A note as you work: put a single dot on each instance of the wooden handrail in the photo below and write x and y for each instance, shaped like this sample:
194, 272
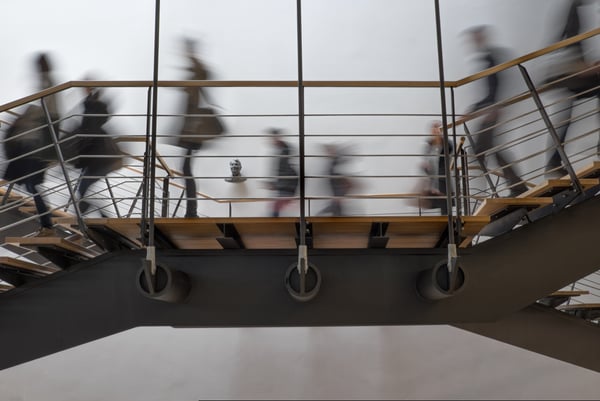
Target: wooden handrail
528, 57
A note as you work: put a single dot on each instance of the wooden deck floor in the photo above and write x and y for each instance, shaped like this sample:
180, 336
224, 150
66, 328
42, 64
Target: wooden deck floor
282, 233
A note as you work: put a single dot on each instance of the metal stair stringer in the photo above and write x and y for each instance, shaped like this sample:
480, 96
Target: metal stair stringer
245, 288
547, 331
532, 261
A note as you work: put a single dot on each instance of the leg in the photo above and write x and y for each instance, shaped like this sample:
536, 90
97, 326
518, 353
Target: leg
190, 186
517, 186
485, 139
481, 144
280, 202
40, 205
336, 207
84, 185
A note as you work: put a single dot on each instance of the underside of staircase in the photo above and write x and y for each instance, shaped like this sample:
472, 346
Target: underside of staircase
511, 282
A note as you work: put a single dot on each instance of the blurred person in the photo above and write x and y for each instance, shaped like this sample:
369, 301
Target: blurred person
195, 130
47, 81
585, 84
434, 167
339, 184
287, 182
92, 149
30, 170
485, 140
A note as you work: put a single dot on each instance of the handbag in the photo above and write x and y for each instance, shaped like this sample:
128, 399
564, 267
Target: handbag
206, 125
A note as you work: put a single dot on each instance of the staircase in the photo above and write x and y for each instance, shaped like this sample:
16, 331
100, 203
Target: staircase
523, 259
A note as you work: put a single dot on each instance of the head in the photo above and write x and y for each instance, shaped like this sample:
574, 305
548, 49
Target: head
236, 167
436, 131
330, 149
43, 63
479, 35
89, 89
275, 134
190, 45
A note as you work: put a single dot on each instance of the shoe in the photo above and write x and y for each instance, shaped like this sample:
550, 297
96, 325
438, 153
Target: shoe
45, 232
515, 192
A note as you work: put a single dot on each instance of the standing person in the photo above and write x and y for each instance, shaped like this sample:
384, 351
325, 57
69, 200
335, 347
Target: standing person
434, 166
485, 140
585, 84
93, 144
340, 185
28, 159
287, 181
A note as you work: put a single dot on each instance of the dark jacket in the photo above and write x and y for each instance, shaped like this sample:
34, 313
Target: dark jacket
24, 145
94, 140
287, 184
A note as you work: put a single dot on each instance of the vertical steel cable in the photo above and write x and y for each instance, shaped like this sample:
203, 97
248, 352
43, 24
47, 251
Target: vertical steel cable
301, 126
452, 251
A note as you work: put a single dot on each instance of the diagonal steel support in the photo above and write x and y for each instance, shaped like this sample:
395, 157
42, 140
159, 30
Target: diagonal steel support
63, 168
481, 163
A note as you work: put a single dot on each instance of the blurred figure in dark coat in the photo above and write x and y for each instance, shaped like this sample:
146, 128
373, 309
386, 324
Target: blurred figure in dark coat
96, 152
28, 144
195, 130
434, 166
339, 184
584, 85
485, 140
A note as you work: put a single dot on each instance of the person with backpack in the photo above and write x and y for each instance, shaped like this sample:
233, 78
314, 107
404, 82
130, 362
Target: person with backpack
95, 151
28, 145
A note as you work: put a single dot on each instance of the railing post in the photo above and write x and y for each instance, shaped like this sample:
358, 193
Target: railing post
465, 182
112, 196
61, 161
451, 262
481, 163
165, 197
455, 164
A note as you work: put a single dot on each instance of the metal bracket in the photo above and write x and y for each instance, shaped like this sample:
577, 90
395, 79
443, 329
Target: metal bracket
302, 259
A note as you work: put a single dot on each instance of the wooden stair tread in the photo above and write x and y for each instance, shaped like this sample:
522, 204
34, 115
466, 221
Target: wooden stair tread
546, 189
282, 233
5, 287
586, 311
591, 170
52, 241
25, 265
567, 293
571, 307
55, 212
493, 206
560, 297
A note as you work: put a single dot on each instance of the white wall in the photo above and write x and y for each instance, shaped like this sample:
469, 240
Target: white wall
255, 39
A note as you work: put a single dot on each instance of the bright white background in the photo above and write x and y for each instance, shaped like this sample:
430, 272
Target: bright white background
255, 39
